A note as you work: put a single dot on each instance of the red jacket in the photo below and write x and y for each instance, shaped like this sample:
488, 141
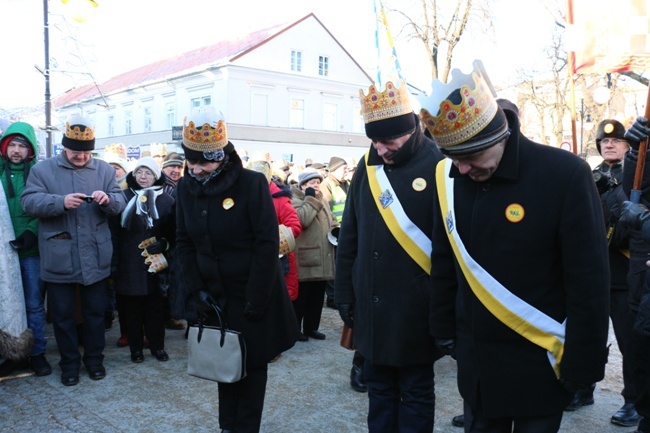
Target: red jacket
287, 215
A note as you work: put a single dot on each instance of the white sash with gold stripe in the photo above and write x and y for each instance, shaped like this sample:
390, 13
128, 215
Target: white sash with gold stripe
416, 244
512, 311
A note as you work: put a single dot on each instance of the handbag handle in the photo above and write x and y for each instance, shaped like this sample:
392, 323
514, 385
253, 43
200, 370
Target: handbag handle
222, 328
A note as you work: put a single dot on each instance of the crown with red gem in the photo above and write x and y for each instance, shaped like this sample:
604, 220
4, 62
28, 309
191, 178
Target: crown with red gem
205, 131
79, 128
392, 102
451, 124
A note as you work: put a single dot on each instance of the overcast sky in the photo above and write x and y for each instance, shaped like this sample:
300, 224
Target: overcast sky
124, 34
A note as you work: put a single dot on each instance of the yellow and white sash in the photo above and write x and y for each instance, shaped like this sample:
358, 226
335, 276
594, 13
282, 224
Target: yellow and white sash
416, 244
512, 311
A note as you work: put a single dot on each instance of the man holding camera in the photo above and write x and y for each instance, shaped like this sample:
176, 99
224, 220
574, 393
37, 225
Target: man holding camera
608, 176
72, 195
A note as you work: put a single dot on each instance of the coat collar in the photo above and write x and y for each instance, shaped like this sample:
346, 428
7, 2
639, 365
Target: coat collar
215, 186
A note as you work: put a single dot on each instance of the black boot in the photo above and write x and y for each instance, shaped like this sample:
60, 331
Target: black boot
357, 381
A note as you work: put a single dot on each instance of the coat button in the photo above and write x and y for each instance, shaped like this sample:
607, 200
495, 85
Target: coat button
375, 299
375, 255
204, 213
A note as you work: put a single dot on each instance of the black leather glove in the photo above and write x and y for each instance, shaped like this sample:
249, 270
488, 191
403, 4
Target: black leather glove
25, 241
310, 192
638, 132
633, 215
346, 311
202, 301
158, 247
253, 312
446, 346
575, 387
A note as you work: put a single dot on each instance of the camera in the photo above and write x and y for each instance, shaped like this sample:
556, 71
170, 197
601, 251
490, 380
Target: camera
604, 182
88, 199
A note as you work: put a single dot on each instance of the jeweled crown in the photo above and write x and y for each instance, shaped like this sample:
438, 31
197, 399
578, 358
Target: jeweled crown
392, 102
79, 128
205, 131
450, 123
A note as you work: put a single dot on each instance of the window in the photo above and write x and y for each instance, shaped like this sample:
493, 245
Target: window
296, 61
323, 66
127, 122
330, 116
203, 101
147, 118
170, 115
297, 113
111, 125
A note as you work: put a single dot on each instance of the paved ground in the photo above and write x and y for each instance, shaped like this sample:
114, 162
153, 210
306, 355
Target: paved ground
308, 392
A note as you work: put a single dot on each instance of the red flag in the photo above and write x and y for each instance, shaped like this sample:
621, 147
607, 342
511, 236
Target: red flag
609, 36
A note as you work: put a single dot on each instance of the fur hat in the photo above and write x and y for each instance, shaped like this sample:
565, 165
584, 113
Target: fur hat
308, 174
335, 163
609, 128
79, 134
149, 163
387, 114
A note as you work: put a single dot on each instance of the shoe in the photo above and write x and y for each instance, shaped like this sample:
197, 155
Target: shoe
108, 320
70, 379
458, 421
8, 366
96, 372
40, 365
316, 335
626, 416
160, 355
123, 341
357, 381
137, 357
178, 325
580, 400
302, 337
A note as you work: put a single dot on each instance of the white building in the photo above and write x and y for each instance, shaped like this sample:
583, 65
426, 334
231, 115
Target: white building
291, 90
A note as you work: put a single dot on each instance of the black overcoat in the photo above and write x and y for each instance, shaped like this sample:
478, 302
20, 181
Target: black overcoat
227, 243
389, 290
555, 259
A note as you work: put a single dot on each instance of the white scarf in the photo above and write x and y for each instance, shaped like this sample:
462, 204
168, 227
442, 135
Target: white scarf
142, 204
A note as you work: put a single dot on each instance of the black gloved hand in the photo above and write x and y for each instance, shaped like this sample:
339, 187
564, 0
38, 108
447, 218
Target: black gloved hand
253, 312
158, 247
346, 311
446, 346
310, 192
633, 215
575, 387
202, 301
638, 132
25, 241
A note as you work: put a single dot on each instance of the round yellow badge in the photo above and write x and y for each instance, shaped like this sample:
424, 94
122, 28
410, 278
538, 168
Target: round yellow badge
419, 184
228, 203
515, 213
143, 198
608, 128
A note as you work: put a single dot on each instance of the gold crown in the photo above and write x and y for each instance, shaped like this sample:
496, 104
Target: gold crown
79, 128
158, 149
205, 131
451, 124
117, 150
392, 102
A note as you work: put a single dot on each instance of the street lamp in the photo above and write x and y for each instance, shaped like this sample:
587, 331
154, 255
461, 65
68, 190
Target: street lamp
585, 124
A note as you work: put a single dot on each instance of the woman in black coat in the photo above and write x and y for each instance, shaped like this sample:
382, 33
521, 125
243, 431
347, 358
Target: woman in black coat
148, 214
227, 245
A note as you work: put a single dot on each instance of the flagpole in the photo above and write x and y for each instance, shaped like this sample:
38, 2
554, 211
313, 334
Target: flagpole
635, 193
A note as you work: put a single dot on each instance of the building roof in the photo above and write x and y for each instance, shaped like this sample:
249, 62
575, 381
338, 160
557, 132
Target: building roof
215, 55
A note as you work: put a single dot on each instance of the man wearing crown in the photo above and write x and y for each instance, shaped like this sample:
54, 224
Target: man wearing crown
520, 282
73, 194
383, 262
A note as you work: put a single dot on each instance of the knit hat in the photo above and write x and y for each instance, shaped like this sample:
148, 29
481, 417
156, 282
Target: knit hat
205, 135
335, 163
79, 134
149, 163
308, 174
173, 159
463, 116
609, 128
388, 114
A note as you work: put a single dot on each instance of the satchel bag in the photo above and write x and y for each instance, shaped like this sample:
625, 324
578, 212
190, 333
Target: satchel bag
216, 352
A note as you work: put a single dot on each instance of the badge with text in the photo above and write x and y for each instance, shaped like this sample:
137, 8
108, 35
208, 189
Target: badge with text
385, 198
419, 184
515, 212
228, 203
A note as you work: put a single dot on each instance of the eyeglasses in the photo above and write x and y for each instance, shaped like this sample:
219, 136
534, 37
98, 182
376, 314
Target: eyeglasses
611, 141
143, 173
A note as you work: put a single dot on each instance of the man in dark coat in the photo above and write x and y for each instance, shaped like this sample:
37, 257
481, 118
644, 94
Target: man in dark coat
382, 264
520, 282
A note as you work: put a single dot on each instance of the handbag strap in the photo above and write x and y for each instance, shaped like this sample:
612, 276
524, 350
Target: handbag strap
223, 327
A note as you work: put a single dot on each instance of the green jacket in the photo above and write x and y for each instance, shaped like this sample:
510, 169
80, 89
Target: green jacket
13, 178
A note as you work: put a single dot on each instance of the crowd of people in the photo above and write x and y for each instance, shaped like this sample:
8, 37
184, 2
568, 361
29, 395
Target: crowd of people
447, 237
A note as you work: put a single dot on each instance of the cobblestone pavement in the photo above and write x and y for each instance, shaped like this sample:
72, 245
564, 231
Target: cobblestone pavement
308, 392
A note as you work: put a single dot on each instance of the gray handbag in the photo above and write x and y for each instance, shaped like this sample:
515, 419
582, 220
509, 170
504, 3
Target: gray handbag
216, 352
